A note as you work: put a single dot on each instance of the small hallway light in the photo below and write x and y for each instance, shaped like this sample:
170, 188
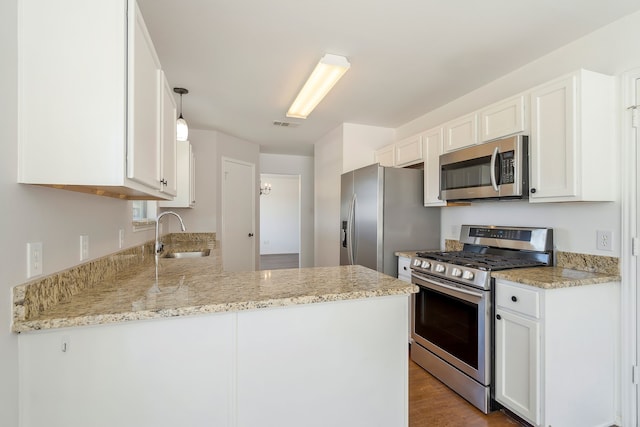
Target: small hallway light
265, 189
182, 130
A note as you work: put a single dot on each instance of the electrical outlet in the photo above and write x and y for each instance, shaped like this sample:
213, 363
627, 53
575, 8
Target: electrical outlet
34, 259
604, 240
120, 238
84, 247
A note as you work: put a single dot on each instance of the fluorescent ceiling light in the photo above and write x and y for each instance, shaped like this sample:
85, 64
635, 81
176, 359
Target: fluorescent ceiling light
324, 76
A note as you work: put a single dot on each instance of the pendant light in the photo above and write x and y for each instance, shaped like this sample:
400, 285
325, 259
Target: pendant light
182, 130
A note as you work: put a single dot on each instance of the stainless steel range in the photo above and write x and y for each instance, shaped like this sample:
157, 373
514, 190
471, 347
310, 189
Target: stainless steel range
452, 322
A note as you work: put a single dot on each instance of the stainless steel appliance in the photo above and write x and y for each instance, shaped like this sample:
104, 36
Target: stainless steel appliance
452, 325
382, 212
494, 170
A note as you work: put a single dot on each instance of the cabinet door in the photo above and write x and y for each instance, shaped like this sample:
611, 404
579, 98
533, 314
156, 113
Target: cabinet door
409, 151
192, 177
185, 195
169, 178
143, 139
432, 141
461, 132
553, 140
502, 119
386, 156
518, 364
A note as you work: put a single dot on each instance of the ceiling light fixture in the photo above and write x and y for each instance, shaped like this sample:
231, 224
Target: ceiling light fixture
322, 79
182, 130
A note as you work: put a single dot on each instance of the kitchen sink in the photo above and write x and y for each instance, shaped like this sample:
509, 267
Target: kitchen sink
189, 254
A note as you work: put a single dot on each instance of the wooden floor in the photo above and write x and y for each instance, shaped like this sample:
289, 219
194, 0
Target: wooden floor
278, 261
432, 404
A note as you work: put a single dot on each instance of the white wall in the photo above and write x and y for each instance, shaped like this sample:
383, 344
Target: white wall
280, 215
327, 169
38, 214
359, 142
611, 50
304, 167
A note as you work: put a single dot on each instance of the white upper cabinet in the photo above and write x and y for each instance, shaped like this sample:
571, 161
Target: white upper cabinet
89, 98
409, 151
503, 118
186, 197
168, 171
572, 139
432, 142
386, 156
461, 132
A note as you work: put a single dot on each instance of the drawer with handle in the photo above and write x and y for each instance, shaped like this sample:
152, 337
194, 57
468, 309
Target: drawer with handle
519, 300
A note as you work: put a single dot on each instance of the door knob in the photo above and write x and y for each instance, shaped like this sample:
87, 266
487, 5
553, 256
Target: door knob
250, 234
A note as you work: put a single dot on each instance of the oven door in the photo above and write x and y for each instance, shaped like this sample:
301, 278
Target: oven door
453, 321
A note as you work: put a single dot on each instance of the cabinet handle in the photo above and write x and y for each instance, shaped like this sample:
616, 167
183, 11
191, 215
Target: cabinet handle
498, 317
404, 268
250, 234
163, 181
514, 298
533, 190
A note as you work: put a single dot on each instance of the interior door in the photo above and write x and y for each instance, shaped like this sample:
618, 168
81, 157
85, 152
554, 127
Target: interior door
238, 215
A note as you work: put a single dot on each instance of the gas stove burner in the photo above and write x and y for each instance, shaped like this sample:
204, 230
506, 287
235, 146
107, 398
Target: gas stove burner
481, 261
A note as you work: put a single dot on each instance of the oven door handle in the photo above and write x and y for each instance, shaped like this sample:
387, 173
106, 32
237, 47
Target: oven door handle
444, 285
494, 181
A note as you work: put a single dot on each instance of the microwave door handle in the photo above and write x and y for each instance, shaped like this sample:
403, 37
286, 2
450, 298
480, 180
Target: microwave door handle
494, 182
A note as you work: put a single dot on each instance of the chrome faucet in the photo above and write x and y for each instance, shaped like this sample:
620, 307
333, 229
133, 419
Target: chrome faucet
159, 246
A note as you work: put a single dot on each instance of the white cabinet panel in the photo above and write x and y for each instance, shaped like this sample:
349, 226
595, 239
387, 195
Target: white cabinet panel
503, 118
185, 197
572, 132
386, 156
168, 143
165, 373
404, 268
461, 132
518, 364
432, 141
289, 362
409, 151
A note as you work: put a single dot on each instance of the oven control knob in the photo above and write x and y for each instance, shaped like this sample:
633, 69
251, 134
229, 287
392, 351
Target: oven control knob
456, 272
440, 268
426, 264
468, 275
416, 262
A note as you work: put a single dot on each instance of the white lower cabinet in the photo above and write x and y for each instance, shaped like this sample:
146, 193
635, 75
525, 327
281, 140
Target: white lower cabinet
404, 268
556, 352
327, 364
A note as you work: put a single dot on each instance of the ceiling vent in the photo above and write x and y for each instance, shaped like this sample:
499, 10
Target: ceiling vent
285, 124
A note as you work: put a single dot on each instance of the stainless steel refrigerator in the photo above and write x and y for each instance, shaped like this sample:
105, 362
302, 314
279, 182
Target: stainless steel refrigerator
382, 211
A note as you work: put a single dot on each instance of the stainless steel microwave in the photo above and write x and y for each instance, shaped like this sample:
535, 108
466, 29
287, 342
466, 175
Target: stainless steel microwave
494, 170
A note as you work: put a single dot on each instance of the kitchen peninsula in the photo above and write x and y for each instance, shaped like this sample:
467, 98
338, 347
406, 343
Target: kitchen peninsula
314, 347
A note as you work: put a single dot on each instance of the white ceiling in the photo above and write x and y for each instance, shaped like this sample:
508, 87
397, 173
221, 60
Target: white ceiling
244, 61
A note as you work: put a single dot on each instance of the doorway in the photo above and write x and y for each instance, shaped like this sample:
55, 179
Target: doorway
238, 215
279, 221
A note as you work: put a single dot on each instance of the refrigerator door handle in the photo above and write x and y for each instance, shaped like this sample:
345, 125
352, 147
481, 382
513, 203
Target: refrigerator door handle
350, 228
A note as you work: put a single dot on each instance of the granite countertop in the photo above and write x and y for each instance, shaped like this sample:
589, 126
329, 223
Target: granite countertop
198, 285
572, 269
